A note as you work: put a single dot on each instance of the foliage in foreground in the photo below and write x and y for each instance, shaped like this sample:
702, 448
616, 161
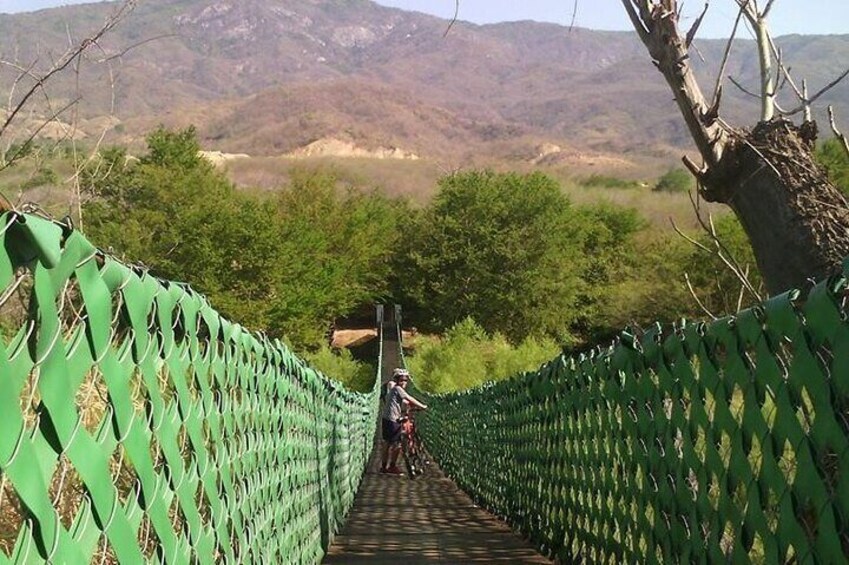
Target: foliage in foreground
466, 356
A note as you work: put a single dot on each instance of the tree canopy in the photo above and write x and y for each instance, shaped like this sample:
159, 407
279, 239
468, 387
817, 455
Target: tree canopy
511, 252
288, 266
506, 250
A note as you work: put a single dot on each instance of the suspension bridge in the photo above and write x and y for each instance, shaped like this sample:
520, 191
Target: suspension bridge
138, 425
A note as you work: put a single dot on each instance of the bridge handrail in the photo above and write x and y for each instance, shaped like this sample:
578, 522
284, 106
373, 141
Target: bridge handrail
702, 442
137, 424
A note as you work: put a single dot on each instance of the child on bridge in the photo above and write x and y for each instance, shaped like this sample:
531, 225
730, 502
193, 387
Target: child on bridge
393, 411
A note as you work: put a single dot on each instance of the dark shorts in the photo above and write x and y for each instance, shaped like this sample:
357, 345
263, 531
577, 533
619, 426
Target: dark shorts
391, 431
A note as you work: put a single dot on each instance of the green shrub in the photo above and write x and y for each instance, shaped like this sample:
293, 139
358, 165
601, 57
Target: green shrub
287, 266
675, 180
604, 181
833, 157
511, 252
42, 176
467, 356
341, 365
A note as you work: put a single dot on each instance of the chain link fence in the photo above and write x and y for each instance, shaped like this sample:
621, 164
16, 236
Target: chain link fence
720, 442
136, 424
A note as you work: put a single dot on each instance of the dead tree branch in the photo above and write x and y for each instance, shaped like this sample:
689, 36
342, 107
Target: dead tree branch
743, 89
691, 34
698, 300
66, 60
574, 15
768, 7
70, 60
819, 93
454, 19
833, 123
717, 90
656, 24
719, 250
136, 45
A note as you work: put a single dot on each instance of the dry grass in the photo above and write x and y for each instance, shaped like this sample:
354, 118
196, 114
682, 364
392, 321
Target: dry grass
414, 180
417, 181
11, 516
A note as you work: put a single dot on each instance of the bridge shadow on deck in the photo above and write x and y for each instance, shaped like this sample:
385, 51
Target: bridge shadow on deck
423, 521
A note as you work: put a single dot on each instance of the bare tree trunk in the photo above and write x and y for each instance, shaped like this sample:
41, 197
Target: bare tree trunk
797, 221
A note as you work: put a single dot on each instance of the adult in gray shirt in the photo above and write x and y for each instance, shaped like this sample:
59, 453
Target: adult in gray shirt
393, 411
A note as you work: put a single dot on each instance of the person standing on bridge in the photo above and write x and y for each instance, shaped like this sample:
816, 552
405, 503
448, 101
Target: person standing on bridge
396, 398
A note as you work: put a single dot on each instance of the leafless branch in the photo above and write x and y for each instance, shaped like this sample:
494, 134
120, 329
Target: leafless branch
67, 59
80, 165
833, 123
636, 18
781, 77
717, 91
574, 15
696, 243
749, 10
454, 19
808, 115
768, 7
743, 89
22, 73
691, 34
786, 71
70, 60
719, 250
822, 91
23, 146
138, 44
742, 292
28, 73
695, 296
692, 167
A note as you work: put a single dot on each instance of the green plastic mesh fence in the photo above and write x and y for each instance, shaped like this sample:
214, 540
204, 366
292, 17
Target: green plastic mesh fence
136, 424
726, 442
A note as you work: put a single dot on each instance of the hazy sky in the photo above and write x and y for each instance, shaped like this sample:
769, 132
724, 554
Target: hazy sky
11, 6
788, 16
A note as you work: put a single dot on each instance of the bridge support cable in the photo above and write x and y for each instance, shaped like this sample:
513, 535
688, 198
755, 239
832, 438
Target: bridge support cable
390, 344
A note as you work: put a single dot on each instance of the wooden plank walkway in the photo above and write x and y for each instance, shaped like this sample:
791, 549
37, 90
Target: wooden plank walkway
424, 521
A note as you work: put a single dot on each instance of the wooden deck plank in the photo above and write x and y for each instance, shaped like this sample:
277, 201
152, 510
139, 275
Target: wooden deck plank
422, 522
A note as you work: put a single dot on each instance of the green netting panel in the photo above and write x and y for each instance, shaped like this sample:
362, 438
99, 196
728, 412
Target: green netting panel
701, 443
136, 424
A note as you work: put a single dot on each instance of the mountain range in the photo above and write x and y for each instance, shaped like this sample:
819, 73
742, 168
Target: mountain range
271, 77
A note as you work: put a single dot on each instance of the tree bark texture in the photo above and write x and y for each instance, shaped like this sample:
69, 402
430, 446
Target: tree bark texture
796, 219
